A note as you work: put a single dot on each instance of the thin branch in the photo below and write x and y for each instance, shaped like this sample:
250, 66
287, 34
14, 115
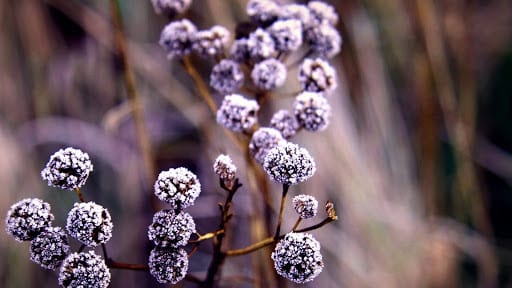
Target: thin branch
200, 84
297, 224
206, 236
263, 243
126, 266
316, 226
281, 209
79, 194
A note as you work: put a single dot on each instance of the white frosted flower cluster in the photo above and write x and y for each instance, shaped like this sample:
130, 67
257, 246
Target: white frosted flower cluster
287, 34
312, 111
285, 122
85, 269
324, 39
210, 42
238, 113
269, 74
305, 205
239, 51
260, 45
177, 38
263, 12
317, 75
67, 169
168, 265
323, 12
49, 248
27, 218
170, 229
226, 76
296, 11
178, 187
171, 7
89, 223
262, 141
289, 164
224, 168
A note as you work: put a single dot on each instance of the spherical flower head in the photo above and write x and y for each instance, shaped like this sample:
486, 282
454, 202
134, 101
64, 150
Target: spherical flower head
263, 12
262, 141
176, 38
224, 167
312, 111
89, 223
285, 122
239, 51
298, 12
67, 169
305, 205
260, 45
168, 265
297, 257
269, 74
27, 218
324, 39
226, 76
317, 75
49, 248
287, 34
170, 229
238, 113
323, 12
85, 269
178, 187
171, 7
289, 164
211, 42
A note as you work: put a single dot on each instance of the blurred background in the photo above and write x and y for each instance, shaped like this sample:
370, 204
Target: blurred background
417, 158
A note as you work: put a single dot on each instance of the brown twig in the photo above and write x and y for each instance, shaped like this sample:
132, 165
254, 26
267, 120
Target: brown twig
79, 194
281, 210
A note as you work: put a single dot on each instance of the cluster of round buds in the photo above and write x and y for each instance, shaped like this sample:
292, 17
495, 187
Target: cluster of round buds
289, 164
260, 45
224, 168
322, 12
269, 74
226, 76
170, 229
67, 169
210, 42
287, 34
89, 223
305, 205
263, 12
27, 218
297, 257
296, 11
237, 113
317, 75
85, 269
285, 122
312, 111
49, 248
262, 141
178, 187
168, 265
177, 38
324, 39
171, 7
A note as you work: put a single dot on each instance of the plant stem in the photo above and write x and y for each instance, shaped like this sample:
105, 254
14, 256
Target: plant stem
281, 210
316, 226
296, 224
79, 194
200, 84
126, 266
263, 243
206, 236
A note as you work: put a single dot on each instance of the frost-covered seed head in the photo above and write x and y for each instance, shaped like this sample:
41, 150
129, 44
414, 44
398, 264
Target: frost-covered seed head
323, 12
287, 34
211, 42
171, 7
168, 265
289, 164
49, 248
89, 223
171, 230
296, 11
176, 38
67, 169
240, 50
263, 12
305, 205
178, 187
317, 75
285, 122
260, 45
27, 218
262, 141
297, 257
225, 168
85, 270
324, 39
312, 111
226, 76
269, 74
238, 113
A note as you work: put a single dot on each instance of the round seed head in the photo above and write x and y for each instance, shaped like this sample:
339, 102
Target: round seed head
262, 141
211, 42
323, 12
298, 12
168, 265
225, 168
289, 164
49, 248
262, 12
297, 257
178, 187
238, 113
85, 269
317, 75
171, 230
239, 51
269, 74
324, 39
27, 218
312, 111
285, 122
171, 7
305, 205
89, 223
226, 76
176, 38
67, 169
260, 45
287, 34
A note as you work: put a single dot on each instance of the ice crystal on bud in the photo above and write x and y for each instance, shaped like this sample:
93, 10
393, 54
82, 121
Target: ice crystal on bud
168, 265
85, 269
171, 230
225, 168
305, 205
260, 45
49, 248
289, 164
263, 12
67, 169
226, 76
171, 7
317, 75
176, 38
262, 141
296, 11
178, 187
237, 113
324, 39
312, 110
89, 223
297, 257
323, 12
269, 74
211, 42
27, 218
287, 34
285, 122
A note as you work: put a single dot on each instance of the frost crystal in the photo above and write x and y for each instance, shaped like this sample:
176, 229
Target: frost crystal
67, 169
226, 76
49, 248
323, 12
305, 205
171, 230
27, 218
297, 257
269, 74
262, 141
263, 12
211, 42
312, 110
287, 34
176, 38
298, 12
260, 45
324, 39
168, 265
240, 50
178, 187
171, 7
89, 223
289, 164
225, 168
285, 122
85, 269
317, 75
238, 113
